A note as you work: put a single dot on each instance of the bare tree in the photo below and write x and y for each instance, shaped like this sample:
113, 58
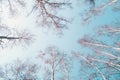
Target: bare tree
56, 62
87, 64
48, 10
105, 57
12, 36
97, 9
19, 71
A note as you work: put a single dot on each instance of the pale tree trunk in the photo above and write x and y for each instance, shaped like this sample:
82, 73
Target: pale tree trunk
53, 70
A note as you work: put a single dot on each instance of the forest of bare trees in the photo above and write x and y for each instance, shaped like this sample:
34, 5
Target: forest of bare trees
100, 62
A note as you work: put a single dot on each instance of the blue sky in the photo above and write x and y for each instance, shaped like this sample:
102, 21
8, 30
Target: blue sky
45, 37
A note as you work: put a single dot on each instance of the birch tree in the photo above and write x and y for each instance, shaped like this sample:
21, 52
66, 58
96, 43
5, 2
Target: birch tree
105, 56
56, 64
96, 9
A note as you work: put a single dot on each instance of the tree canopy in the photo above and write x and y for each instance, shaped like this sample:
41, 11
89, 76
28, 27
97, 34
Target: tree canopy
88, 49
